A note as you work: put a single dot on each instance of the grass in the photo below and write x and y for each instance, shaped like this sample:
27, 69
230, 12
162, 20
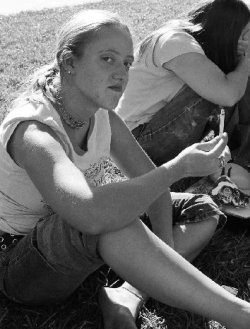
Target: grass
27, 41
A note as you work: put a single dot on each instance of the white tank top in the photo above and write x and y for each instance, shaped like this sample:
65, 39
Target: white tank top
21, 204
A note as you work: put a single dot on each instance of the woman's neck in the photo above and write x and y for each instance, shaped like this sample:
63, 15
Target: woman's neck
79, 137
76, 105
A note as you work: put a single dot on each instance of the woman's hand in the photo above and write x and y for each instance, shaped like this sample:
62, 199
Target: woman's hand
243, 43
242, 49
202, 159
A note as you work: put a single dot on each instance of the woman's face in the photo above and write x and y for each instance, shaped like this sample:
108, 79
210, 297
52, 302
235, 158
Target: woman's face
101, 74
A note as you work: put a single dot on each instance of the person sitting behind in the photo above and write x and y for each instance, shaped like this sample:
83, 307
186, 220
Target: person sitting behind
183, 73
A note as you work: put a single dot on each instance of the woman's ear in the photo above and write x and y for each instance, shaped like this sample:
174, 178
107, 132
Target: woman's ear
68, 63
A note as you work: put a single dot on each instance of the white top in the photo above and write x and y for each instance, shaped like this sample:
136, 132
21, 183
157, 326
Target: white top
21, 204
150, 85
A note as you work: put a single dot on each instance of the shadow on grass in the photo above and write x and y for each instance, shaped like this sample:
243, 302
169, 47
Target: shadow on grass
79, 311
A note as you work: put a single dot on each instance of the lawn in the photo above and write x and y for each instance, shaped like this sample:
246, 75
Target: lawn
26, 42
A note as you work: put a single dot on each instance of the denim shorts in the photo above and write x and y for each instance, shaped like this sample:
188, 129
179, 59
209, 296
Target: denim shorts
179, 124
49, 264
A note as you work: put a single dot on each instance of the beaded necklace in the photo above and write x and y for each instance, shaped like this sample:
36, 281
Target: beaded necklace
68, 118
50, 89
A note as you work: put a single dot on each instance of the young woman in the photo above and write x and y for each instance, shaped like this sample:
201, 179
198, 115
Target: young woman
183, 73
59, 220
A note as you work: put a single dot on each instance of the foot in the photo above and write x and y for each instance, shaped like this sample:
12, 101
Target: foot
119, 308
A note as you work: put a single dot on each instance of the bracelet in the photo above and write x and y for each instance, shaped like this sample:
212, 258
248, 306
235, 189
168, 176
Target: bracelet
133, 293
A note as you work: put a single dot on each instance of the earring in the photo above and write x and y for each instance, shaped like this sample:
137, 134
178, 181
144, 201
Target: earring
69, 72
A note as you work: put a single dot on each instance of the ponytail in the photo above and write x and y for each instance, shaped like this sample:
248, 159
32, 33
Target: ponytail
43, 82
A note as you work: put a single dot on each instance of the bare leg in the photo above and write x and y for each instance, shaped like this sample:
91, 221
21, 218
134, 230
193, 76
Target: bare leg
121, 305
138, 256
190, 239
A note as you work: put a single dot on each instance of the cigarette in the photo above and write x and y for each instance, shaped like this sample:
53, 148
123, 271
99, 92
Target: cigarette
222, 119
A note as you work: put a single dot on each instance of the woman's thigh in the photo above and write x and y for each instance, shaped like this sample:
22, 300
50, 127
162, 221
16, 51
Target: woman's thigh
177, 125
48, 264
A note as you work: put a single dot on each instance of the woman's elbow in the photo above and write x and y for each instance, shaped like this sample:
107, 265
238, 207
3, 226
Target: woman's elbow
92, 229
89, 227
92, 224
230, 102
230, 99
85, 221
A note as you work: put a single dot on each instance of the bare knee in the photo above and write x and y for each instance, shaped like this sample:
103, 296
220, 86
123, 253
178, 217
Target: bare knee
107, 240
190, 239
212, 224
206, 232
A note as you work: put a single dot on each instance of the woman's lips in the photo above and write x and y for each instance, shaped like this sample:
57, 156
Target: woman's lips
117, 88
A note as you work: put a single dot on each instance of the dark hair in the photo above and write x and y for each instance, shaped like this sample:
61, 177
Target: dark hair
215, 24
221, 22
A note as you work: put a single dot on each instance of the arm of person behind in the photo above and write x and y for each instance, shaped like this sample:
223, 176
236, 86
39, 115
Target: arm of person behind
134, 162
106, 208
208, 81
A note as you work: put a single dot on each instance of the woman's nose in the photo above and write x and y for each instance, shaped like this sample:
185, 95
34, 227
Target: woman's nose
120, 73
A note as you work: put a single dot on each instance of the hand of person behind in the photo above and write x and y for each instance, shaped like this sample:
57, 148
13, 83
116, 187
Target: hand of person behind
202, 159
242, 49
243, 52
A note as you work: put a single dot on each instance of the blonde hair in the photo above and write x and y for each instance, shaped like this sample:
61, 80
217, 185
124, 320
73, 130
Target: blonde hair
72, 39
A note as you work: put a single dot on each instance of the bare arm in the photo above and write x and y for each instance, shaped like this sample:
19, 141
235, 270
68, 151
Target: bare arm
207, 80
109, 207
132, 159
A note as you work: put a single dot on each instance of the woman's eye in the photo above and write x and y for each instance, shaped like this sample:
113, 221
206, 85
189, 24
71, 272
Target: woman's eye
108, 59
127, 65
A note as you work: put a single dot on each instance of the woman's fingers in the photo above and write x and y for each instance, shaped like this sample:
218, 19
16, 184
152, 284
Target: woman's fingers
226, 154
216, 145
242, 47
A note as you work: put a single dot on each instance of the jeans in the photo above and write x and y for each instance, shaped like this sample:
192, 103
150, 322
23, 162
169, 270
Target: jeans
49, 264
239, 131
188, 119
177, 125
